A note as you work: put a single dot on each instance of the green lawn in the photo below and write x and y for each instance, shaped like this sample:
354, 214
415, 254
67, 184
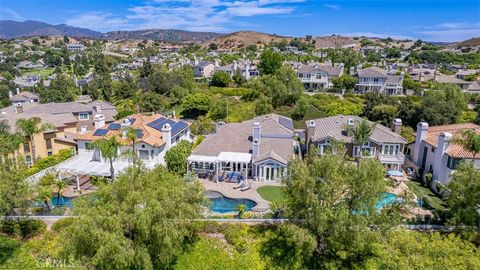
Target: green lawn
44, 72
272, 193
422, 191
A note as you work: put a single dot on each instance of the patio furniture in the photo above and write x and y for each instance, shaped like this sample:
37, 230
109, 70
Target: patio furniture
240, 184
247, 187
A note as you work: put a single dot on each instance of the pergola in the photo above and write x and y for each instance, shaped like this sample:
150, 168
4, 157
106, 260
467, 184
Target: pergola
225, 161
84, 165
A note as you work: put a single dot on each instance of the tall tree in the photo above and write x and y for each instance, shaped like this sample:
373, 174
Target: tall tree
109, 149
469, 139
270, 62
140, 221
176, 157
31, 127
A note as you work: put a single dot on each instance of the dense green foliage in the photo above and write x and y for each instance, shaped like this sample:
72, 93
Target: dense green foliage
176, 157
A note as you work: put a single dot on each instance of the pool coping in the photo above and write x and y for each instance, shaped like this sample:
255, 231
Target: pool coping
231, 212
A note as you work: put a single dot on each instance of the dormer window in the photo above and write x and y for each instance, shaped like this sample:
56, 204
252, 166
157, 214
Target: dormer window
83, 116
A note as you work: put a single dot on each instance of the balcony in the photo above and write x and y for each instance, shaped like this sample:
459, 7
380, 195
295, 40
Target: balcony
392, 159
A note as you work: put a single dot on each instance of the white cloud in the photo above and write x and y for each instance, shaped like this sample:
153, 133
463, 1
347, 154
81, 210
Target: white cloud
332, 6
194, 15
450, 31
377, 35
6, 13
99, 21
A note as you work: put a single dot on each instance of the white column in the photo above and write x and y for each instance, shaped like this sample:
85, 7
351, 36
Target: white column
78, 183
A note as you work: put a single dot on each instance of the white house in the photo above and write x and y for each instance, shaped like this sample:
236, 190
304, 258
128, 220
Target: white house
318, 76
435, 151
376, 80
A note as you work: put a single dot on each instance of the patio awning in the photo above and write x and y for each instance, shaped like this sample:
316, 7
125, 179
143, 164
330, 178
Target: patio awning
199, 158
83, 164
234, 157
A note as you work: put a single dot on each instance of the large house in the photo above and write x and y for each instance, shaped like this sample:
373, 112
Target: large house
258, 149
155, 135
318, 76
247, 69
24, 97
68, 119
376, 80
436, 152
384, 143
203, 69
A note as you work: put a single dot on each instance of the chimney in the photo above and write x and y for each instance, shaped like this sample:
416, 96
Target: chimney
397, 125
440, 159
435, 75
256, 138
167, 135
218, 125
18, 108
217, 63
422, 132
420, 76
98, 109
18, 90
195, 60
310, 131
99, 121
247, 69
10, 94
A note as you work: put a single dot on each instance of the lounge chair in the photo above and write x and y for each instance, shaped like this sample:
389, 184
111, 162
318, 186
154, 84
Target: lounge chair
245, 188
240, 184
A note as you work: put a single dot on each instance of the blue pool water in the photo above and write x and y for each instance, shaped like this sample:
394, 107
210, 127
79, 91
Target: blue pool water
62, 201
386, 199
222, 204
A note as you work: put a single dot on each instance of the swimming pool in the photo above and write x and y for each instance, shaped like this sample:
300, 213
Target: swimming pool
387, 199
222, 204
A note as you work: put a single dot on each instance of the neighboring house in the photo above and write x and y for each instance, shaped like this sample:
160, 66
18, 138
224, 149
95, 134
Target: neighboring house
463, 73
259, 149
474, 88
155, 135
436, 152
24, 97
376, 80
452, 79
318, 76
27, 81
247, 69
422, 74
384, 143
203, 69
69, 120
75, 47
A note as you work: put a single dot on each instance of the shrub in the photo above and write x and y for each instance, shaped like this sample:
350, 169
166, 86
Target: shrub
7, 247
10, 227
50, 161
62, 224
98, 180
236, 236
31, 228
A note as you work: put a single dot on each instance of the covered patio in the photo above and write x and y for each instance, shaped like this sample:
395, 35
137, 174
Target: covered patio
84, 165
215, 167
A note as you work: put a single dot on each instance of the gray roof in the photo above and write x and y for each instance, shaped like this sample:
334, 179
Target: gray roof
372, 72
394, 79
57, 114
326, 68
25, 95
276, 139
334, 128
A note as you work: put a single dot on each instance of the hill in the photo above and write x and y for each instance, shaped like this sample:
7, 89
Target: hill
335, 41
13, 29
166, 35
473, 42
243, 39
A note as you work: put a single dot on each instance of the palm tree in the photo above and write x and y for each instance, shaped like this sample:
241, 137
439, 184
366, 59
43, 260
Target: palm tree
132, 137
31, 127
469, 139
360, 135
109, 150
45, 195
241, 208
60, 185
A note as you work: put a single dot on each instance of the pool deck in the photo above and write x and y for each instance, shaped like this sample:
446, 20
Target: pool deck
228, 191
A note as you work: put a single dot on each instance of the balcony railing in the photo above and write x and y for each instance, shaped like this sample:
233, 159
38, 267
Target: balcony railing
399, 158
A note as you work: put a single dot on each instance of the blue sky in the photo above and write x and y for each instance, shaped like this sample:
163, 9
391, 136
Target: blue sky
433, 20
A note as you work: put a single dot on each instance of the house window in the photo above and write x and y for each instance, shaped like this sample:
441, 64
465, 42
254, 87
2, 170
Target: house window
318, 76
28, 160
300, 75
26, 147
390, 149
48, 143
453, 163
143, 154
83, 129
83, 116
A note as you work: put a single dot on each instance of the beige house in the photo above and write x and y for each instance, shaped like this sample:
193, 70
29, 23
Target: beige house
68, 120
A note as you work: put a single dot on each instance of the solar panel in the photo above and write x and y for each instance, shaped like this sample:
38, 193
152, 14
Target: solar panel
285, 122
132, 120
158, 123
100, 132
177, 127
139, 133
114, 126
